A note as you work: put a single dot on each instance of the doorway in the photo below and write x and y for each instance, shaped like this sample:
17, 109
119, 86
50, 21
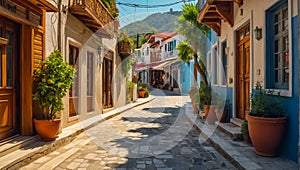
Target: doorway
107, 80
9, 78
243, 72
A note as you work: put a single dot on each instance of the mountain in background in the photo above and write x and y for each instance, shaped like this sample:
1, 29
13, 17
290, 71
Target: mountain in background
157, 22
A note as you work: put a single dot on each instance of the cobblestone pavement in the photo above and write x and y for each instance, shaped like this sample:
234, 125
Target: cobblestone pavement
156, 135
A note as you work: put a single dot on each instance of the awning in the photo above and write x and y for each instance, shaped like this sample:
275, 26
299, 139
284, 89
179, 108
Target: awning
161, 66
166, 63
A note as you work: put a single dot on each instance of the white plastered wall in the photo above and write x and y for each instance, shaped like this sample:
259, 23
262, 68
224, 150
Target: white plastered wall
249, 12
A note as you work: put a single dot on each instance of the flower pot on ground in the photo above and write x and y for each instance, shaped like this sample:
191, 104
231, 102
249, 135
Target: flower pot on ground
143, 90
142, 94
205, 94
266, 122
51, 83
206, 109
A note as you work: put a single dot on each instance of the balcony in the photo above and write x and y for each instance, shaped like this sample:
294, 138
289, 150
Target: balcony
94, 15
212, 12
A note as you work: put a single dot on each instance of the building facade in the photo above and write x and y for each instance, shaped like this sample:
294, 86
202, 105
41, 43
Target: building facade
159, 65
256, 43
84, 32
22, 46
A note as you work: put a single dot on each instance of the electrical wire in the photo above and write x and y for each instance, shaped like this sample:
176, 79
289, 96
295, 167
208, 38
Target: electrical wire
152, 6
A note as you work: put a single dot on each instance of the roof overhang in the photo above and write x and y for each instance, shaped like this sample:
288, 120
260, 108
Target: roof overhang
212, 12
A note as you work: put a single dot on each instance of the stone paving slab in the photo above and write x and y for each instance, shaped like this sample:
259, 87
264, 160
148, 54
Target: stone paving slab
33, 151
157, 136
238, 153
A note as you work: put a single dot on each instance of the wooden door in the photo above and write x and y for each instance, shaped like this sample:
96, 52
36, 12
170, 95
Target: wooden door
9, 52
107, 80
243, 72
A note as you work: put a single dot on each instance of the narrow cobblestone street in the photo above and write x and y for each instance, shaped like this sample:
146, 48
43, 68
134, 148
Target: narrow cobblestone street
156, 135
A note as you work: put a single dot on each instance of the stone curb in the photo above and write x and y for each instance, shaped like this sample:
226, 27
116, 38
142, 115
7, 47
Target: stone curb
234, 157
28, 154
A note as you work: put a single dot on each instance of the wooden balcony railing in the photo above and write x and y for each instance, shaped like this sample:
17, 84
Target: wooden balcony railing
93, 14
212, 12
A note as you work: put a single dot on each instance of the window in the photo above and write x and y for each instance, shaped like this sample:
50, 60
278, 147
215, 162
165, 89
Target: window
166, 47
223, 70
147, 52
90, 81
279, 54
73, 92
214, 65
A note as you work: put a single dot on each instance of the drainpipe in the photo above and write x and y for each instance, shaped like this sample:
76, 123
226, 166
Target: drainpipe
59, 26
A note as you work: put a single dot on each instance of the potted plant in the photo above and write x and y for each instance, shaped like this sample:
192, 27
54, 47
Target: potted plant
125, 45
51, 83
143, 90
266, 122
205, 93
195, 97
245, 132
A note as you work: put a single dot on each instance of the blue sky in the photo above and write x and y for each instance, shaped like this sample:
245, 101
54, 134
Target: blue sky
130, 14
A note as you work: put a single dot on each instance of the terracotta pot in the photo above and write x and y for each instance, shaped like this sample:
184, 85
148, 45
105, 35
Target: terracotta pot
206, 110
211, 118
47, 129
142, 94
266, 134
221, 115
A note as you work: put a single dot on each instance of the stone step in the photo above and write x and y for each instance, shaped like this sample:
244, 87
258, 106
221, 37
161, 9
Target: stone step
14, 143
233, 131
237, 121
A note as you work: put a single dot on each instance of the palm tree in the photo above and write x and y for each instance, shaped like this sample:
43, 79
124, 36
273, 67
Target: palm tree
194, 45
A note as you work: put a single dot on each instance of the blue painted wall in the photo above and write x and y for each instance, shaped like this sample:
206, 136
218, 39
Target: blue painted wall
290, 144
186, 78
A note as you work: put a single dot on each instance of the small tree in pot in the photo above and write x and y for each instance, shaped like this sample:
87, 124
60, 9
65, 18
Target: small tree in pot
266, 122
51, 83
205, 97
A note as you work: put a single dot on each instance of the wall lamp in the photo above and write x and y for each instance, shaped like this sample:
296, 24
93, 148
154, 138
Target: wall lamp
258, 33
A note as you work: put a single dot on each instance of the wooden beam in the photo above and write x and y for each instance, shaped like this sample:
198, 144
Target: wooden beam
26, 80
211, 20
212, 15
216, 29
228, 14
239, 2
203, 12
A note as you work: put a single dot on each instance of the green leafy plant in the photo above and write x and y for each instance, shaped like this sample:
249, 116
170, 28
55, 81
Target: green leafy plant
265, 104
205, 94
143, 87
124, 38
51, 83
